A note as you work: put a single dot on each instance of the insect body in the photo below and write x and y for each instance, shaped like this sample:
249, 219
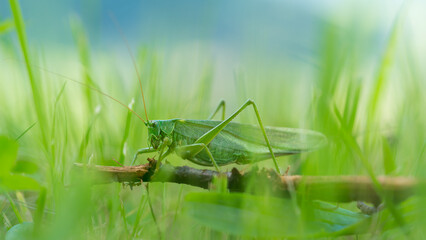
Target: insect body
216, 143
236, 143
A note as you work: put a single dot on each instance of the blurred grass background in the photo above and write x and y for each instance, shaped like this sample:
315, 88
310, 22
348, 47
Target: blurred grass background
349, 70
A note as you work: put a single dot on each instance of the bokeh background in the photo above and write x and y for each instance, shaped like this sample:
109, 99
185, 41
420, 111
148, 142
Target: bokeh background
349, 69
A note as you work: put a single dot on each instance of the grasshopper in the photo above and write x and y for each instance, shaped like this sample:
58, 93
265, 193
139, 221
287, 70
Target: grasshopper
217, 143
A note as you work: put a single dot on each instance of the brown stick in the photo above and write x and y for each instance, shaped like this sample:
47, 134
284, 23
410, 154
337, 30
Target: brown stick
327, 188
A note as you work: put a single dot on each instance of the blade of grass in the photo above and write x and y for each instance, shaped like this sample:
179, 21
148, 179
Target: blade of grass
240, 83
14, 208
64, 145
25, 131
6, 220
142, 204
123, 215
154, 86
82, 42
179, 200
382, 74
204, 90
37, 98
83, 145
39, 213
160, 235
53, 131
389, 163
114, 209
351, 142
351, 106
419, 159
126, 134
163, 199
25, 212
55, 173
386, 63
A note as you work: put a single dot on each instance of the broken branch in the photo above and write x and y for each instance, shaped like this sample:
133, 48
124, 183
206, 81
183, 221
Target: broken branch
327, 188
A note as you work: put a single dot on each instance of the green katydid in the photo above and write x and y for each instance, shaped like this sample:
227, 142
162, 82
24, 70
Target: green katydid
216, 143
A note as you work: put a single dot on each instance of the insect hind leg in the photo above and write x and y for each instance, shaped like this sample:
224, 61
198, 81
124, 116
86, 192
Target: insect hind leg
212, 133
191, 150
222, 105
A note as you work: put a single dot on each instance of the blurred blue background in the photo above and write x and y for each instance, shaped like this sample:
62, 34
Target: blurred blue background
270, 30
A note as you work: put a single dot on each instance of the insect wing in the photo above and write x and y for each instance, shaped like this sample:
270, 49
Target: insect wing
290, 140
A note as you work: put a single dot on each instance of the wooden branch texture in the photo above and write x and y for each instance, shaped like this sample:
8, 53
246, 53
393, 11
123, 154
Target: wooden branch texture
327, 188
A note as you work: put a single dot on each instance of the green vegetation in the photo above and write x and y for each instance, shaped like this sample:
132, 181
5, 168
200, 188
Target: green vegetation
374, 120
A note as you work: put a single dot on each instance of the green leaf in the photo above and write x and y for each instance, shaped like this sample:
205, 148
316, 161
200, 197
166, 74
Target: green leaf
20, 231
8, 154
24, 166
18, 182
335, 215
257, 216
11, 182
410, 213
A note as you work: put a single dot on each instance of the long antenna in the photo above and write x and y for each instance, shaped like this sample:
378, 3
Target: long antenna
117, 25
92, 88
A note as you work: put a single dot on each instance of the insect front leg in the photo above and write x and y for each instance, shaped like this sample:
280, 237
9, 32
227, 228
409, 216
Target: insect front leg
221, 105
142, 151
210, 135
191, 150
165, 143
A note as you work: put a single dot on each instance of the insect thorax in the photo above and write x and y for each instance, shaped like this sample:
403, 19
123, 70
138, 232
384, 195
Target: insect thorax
158, 130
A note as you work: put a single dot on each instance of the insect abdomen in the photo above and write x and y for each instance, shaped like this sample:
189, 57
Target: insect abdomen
221, 155
227, 147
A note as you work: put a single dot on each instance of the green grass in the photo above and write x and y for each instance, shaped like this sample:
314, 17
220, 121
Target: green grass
374, 120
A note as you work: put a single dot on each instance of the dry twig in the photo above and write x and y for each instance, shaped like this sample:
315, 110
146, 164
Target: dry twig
327, 188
